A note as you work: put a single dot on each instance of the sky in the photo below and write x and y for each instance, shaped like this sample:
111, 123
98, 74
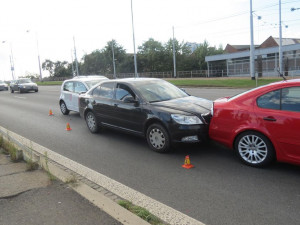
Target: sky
51, 25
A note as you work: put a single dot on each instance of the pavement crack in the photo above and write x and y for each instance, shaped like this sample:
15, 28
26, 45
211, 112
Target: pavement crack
14, 196
5, 175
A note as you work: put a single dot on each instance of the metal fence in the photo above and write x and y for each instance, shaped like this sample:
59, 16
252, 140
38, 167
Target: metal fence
193, 74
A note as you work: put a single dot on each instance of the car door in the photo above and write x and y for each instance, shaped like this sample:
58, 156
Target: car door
279, 112
79, 88
102, 102
67, 91
128, 112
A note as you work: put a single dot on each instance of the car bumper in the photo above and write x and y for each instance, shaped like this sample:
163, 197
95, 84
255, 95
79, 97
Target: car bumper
188, 133
26, 89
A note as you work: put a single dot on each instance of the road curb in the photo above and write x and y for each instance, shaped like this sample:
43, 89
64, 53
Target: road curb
92, 182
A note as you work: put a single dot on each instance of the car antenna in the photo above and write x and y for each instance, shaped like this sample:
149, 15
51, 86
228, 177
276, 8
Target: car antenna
281, 75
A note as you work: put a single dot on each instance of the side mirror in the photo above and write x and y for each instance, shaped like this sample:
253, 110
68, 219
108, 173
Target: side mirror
130, 99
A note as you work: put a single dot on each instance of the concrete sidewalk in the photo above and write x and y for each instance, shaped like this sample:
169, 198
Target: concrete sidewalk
29, 197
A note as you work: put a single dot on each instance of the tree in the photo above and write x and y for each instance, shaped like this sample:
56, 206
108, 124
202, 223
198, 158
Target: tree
151, 56
48, 65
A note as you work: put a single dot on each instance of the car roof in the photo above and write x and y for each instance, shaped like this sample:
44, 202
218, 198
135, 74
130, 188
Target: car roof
135, 80
87, 78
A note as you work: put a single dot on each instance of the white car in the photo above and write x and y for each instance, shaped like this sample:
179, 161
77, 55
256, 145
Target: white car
71, 89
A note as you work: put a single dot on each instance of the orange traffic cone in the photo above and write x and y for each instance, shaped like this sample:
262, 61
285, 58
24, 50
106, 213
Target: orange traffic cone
50, 113
187, 163
68, 127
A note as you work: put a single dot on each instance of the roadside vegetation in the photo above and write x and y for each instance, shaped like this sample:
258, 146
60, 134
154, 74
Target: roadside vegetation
47, 83
141, 212
9, 149
223, 82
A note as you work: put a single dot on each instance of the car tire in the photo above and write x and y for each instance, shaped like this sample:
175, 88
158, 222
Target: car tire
36, 90
63, 108
11, 90
91, 122
158, 138
254, 149
20, 91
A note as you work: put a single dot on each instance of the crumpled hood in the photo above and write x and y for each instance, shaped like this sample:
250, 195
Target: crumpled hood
189, 104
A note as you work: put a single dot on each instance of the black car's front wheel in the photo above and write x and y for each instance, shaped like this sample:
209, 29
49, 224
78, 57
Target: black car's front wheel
63, 108
158, 138
91, 122
11, 90
254, 149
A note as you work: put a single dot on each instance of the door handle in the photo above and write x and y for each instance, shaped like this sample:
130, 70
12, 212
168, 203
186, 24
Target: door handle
269, 118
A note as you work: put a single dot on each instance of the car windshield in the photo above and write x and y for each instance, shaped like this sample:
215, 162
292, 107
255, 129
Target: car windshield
91, 83
159, 90
24, 81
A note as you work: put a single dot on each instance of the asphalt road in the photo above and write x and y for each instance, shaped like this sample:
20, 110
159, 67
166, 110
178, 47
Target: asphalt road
219, 190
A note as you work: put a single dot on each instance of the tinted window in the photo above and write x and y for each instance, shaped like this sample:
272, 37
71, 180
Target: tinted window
105, 90
123, 92
79, 87
290, 100
68, 86
271, 100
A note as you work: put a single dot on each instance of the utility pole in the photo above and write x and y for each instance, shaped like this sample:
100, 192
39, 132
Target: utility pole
280, 41
252, 56
76, 62
135, 63
113, 55
39, 60
174, 55
38, 53
73, 72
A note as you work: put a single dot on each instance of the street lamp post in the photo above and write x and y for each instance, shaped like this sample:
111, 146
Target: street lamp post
38, 52
113, 55
252, 59
11, 59
135, 63
280, 41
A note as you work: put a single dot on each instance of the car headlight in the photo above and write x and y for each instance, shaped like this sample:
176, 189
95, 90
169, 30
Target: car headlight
186, 120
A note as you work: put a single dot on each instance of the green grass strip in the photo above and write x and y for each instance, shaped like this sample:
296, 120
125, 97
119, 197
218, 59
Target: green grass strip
141, 212
229, 83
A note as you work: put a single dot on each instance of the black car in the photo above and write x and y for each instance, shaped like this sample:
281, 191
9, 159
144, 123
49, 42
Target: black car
152, 108
23, 85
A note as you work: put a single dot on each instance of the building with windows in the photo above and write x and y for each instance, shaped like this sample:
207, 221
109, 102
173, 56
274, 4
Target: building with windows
236, 59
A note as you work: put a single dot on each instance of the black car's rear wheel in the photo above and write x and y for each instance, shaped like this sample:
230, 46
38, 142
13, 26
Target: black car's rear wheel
158, 138
63, 108
254, 149
91, 122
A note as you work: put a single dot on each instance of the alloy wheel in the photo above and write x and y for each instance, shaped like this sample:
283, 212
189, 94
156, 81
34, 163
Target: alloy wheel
252, 149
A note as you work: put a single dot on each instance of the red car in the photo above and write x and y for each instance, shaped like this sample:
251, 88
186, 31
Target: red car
261, 125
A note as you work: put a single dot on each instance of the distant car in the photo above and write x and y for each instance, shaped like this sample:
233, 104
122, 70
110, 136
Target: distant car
23, 85
148, 107
262, 124
3, 86
71, 89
